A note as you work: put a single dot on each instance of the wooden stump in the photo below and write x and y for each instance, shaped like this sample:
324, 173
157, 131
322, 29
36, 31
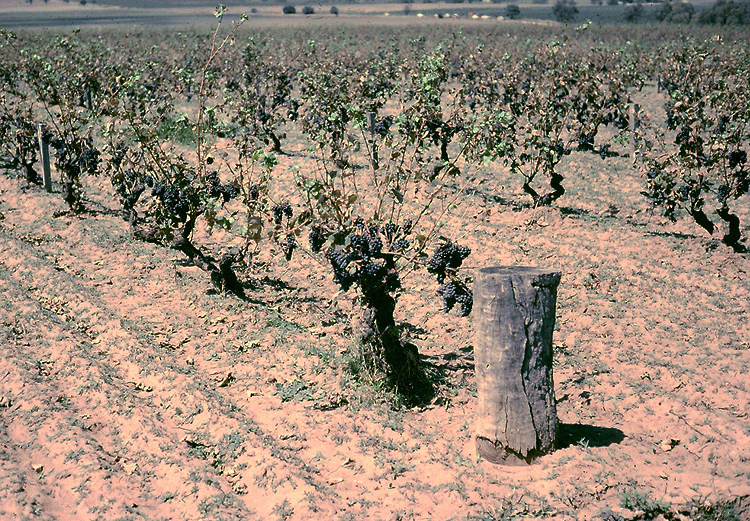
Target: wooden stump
514, 317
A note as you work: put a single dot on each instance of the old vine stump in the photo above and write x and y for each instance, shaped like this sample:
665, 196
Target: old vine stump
514, 317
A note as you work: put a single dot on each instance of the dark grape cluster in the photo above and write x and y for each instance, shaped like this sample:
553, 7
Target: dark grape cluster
561, 150
217, 190
293, 112
175, 201
289, 245
685, 191
73, 157
390, 230
586, 141
616, 117
444, 263
18, 141
281, 210
455, 292
124, 182
262, 116
76, 156
365, 245
317, 237
737, 158
383, 126
673, 118
253, 193
362, 260
721, 126
447, 258
742, 183
119, 154
89, 160
407, 226
660, 192
723, 193
340, 265
395, 235
683, 136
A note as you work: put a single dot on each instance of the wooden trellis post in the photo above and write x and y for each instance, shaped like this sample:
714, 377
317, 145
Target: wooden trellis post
658, 81
635, 123
514, 317
44, 155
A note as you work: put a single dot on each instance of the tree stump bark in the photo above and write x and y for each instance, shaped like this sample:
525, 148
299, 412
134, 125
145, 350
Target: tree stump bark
514, 318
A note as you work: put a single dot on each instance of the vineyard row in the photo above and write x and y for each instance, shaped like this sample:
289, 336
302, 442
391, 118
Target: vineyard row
190, 131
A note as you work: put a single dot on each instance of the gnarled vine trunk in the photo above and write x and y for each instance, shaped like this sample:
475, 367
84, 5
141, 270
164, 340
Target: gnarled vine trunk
32, 176
558, 190
733, 235
222, 275
383, 351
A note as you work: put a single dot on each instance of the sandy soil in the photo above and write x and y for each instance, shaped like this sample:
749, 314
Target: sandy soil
130, 389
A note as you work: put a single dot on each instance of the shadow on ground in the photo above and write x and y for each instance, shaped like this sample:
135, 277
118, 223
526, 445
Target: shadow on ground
588, 435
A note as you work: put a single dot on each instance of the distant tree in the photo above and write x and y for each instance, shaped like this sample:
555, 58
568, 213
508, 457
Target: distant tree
565, 11
334, 10
676, 13
289, 9
512, 11
634, 13
725, 12
308, 9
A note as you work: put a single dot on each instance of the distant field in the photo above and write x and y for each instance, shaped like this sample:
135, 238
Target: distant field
138, 12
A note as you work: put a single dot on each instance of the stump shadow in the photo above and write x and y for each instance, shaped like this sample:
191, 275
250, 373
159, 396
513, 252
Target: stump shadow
591, 435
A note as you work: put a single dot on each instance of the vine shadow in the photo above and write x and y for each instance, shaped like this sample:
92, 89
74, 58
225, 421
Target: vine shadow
673, 235
493, 198
569, 211
439, 368
259, 284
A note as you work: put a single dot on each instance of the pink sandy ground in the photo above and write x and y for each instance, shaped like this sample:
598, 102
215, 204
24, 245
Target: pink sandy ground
129, 389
